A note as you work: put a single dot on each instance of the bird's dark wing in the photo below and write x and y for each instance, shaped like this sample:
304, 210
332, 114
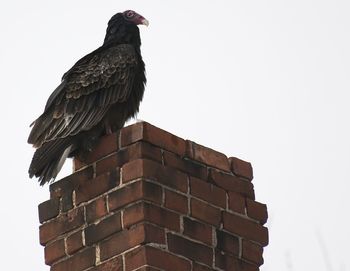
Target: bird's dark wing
86, 93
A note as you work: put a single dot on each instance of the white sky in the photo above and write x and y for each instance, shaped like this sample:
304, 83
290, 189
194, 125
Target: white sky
266, 81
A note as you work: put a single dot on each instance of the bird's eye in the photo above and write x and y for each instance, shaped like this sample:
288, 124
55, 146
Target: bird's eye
130, 14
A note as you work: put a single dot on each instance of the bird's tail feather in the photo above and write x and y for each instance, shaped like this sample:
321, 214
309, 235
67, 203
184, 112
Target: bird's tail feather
49, 159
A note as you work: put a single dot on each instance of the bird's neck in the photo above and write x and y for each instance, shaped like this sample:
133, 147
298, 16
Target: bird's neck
123, 34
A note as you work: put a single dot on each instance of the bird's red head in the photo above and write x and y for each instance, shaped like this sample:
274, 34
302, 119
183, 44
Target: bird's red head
134, 17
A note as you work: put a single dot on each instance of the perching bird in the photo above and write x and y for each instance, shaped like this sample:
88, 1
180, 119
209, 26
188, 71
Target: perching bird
96, 96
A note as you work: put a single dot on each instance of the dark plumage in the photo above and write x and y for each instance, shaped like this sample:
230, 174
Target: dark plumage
96, 96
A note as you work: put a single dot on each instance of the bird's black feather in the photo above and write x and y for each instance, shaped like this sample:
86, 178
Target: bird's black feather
99, 93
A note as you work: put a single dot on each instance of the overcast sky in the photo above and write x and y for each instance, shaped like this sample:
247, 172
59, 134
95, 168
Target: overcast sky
266, 81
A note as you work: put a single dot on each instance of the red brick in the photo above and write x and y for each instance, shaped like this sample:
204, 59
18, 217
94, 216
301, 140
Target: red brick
67, 202
236, 202
61, 224
208, 192
232, 183
97, 186
257, 211
227, 242
244, 266
105, 146
48, 209
245, 228
74, 242
96, 209
252, 252
140, 234
226, 261
132, 152
199, 267
198, 231
148, 212
114, 264
103, 229
77, 164
156, 258
140, 190
69, 183
207, 156
190, 249
144, 131
148, 268
205, 212
241, 168
107, 164
78, 262
187, 166
176, 201
143, 150
54, 251
143, 168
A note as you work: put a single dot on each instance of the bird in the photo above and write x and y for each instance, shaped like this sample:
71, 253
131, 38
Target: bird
95, 97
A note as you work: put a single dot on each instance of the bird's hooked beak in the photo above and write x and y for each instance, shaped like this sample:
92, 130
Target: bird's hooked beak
139, 19
144, 22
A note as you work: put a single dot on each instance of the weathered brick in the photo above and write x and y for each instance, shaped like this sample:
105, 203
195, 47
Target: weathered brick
227, 242
67, 184
78, 165
96, 209
207, 156
236, 202
78, 262
245, 228
97, 186
107, 164
226, 261
198, 231
155, 258
114, 264
143, 168
48, 209
143, 150
176, 201
103, 229
54, 251
144, 131
185, 165
164, 182
244, 266
67, 201
140, 190
200, 267
190, 249
241, 168
105, 146
232, 183
252, 252
257, 211
208, 192
140, 234
148, 212
148, 268
138, 150
61, 224
205, 212
74, 242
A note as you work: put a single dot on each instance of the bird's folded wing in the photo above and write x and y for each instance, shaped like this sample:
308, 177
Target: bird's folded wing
87, 91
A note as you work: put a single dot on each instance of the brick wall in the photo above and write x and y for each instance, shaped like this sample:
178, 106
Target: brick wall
148, 200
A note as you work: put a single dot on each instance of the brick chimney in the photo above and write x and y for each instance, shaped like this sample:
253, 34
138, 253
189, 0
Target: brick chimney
148, 200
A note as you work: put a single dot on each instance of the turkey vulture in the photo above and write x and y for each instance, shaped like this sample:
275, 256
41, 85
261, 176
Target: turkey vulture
96, 96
